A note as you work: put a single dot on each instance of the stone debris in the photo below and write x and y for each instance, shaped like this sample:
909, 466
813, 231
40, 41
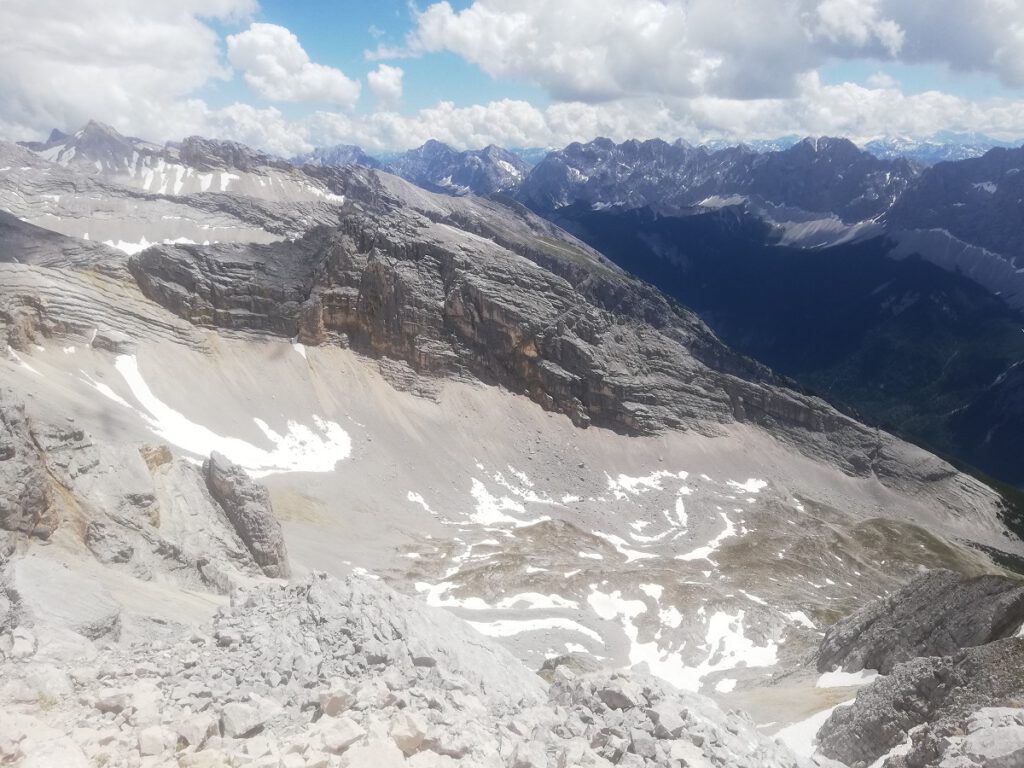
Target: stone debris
329, 673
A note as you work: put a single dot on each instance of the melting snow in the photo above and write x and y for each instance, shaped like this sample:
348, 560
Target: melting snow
840, 679
652, 590
624, 485
133, 248
17, 358
104, 390
728, 645
415, 498
509, 627
490, 510
436, 597
622, 549
706, 551
800, 618
751, 486
301, 449
801, 737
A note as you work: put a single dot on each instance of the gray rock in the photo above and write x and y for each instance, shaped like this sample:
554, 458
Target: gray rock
942, 692
247, 505
197, 729
337, 700
408, 731
936, 614
996, 747
155, 740
341, 733
239, 720
26, 502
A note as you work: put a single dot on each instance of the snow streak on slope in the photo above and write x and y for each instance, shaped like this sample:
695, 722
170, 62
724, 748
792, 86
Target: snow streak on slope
300, 449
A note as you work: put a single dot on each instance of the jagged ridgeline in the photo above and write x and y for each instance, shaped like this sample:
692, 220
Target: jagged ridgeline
313, 466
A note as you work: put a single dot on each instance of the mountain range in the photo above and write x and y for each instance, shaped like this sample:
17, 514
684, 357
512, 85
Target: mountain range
312, 465
811, 255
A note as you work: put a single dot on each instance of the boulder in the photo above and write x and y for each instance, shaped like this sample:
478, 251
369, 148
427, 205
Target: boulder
238, 720
26, 500
248, 508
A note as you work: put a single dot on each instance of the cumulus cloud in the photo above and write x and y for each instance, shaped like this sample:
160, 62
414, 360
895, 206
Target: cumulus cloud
617, 68
594, 50
858, 22
276, 66
386, 84
119, 60
975, 36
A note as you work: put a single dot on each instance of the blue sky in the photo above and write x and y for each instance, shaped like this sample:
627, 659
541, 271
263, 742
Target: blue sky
288, 75
340, 33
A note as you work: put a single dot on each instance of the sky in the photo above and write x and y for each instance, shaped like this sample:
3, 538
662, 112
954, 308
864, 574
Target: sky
289, 75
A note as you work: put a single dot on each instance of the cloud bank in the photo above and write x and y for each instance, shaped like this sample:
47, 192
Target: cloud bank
618, 68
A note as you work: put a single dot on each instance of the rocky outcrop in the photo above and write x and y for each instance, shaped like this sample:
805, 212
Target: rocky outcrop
940, 693
936, 614
26, 501
247, 505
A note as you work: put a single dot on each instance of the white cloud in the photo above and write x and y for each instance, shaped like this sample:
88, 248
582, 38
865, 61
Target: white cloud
277, 67
386, 84
860, 112
594, 50
859, 23
971, 35
121, 61
619, 68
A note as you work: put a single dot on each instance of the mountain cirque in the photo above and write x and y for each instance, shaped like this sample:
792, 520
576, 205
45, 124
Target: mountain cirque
365, 359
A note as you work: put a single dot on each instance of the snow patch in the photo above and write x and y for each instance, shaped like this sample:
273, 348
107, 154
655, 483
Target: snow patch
708, 549
840, 679
301, 449
752, 485
509, 627
491, 510
802, 737
624, 485
800, 617
17, 358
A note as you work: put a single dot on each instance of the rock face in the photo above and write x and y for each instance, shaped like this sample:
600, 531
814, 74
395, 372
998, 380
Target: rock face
247, 505
937, 614
950, 651
465, 286
942, 694
26, 503
976, 200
